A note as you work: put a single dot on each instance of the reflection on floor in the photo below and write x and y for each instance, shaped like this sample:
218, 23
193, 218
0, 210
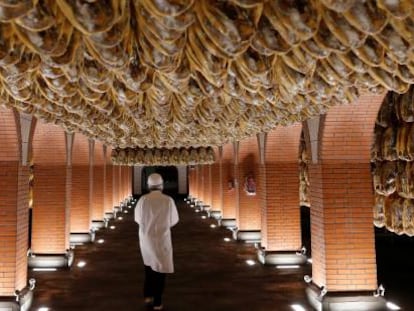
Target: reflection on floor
211, 274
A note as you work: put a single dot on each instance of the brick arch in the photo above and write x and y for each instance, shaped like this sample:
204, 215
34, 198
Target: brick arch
9, 140
80, 153
283, 143
349, 127
49, 146
99, 158
341, 198
280, 208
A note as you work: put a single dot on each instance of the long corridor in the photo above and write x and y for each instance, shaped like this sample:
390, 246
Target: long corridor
211, 274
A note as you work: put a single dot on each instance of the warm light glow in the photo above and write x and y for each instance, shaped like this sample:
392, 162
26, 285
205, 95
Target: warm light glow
213, 226
44, 269
81, 264
112, 227
309, 260
120, 218
43, 309
288, 267
197, 211
126, 212
100, 241
297, 307
203, 217
392, 306
250, 262
227, 239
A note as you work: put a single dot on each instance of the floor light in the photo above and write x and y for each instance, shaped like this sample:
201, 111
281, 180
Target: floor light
250, 262
392, 306
297, 307
81, 264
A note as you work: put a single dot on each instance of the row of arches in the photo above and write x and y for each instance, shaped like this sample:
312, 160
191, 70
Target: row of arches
57, 188
341, 195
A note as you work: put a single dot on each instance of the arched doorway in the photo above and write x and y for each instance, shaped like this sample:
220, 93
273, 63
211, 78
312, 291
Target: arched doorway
168, 173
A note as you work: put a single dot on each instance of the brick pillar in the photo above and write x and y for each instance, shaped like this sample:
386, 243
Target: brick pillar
216, 185
279, 197
248, 214
15, 129
98, 162
115, 184
201, 182
228, 187
79, 213
197, 181
207, 185
343, 245
191, 173
109, 201
49, 229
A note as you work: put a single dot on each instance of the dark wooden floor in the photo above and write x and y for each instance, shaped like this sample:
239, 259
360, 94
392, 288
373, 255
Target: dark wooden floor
211, 274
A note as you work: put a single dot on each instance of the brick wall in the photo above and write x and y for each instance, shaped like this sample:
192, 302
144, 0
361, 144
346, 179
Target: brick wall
229, 200
115, 184
343, 246
98, 182
109, 204
49, 233
280, 205
216, 183
14, 191
79, 216
249, 213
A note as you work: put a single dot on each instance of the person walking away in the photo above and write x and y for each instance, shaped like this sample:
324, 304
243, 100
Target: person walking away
155, 214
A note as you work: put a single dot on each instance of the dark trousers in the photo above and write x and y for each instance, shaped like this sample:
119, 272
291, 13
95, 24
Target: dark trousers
154, 285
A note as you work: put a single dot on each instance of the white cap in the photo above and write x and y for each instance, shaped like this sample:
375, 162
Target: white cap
155, 180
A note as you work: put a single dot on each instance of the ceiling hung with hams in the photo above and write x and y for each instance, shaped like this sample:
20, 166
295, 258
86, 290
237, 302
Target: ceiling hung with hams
186, 73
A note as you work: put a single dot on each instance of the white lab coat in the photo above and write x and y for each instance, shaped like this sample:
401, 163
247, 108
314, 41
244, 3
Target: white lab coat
155, 214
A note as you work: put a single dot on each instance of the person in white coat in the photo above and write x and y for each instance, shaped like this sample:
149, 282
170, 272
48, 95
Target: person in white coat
155, 214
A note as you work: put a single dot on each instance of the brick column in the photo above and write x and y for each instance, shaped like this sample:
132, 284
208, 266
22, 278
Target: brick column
216, 185
108, 192
115, 184
207, 185
341, 195
79, 215
97, 212
248, 214
15, 129
228, 187
50, 234
279, 197
201, 183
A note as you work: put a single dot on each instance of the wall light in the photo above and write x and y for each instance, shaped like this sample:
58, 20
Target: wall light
120, 218
81, 264
227, 239
213, 226
44, 269
392, 306
287, 267
203, 217
112, 227
297, 307
250, 262
197, 211
100, 241
125, 212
